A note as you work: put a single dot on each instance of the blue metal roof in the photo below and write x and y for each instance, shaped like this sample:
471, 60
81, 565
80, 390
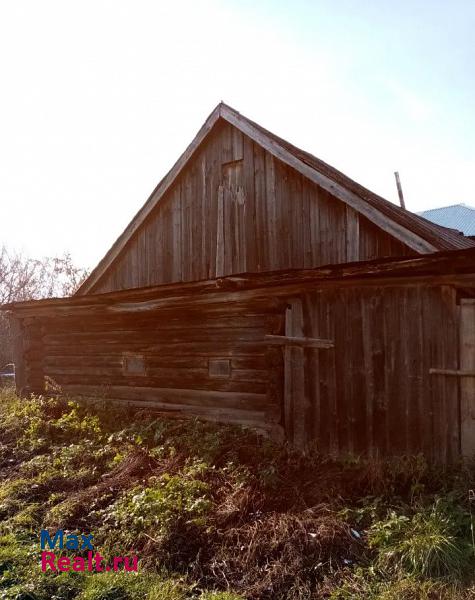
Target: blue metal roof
456, 216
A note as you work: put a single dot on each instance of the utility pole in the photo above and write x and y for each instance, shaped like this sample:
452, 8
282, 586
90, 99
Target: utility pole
399, 190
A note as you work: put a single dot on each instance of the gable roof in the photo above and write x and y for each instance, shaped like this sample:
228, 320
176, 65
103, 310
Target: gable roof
456, 216
414, 231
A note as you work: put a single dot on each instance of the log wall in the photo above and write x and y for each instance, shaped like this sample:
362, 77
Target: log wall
213, 365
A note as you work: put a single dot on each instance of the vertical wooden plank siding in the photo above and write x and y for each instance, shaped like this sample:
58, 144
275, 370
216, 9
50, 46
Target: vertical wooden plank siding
375, 394
369, 370
236, 208
450, 314
467, 363
352, 237
296, 400
219, 270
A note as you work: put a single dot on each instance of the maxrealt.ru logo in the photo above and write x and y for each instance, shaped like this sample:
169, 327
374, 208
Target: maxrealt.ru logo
92, 561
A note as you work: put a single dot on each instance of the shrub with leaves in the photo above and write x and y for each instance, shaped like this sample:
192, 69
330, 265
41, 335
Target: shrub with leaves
166, 503
429, 543
218, 513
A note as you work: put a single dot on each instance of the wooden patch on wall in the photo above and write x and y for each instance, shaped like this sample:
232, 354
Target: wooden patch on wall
133, 364
219, 368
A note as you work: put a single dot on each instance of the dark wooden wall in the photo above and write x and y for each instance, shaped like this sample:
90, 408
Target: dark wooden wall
235, 209
373, 393
178, 351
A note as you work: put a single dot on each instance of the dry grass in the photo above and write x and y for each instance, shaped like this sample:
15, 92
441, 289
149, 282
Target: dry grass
274, 524
281, 555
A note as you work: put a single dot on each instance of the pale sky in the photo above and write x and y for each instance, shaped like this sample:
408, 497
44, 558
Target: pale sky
99, 98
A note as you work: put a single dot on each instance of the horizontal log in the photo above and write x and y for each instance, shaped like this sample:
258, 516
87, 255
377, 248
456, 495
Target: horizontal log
187, 374
175, 297
302, 342
223, 350
33, 354
254, 375
212, 304
251, 419
202, 400
115, 360
249, 362
156, 323
153, 337
174, 382
180, 373
34, 363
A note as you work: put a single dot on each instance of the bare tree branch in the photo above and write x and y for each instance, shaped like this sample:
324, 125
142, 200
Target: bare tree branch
23, 278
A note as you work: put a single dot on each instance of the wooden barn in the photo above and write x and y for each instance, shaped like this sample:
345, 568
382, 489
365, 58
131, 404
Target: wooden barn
258, 285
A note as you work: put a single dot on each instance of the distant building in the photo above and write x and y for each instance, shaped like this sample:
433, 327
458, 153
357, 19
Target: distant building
455, 216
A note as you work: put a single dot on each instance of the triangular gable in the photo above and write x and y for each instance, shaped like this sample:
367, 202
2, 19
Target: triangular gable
415, 232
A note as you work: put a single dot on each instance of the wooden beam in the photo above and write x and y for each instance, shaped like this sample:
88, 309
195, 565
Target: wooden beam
445, 268
300, 342
198, 294
452, 372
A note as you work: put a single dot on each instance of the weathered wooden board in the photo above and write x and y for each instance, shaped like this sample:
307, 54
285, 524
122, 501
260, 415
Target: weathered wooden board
373, 393
467, 384
236, 208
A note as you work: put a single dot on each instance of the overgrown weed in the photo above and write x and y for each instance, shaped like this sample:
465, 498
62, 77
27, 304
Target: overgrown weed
219, 513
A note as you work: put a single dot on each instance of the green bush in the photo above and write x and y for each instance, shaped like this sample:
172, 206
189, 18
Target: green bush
166, 503
432, 542
221, 507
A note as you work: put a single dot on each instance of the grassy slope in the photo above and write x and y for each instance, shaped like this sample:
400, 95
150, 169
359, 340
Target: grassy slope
215, 513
